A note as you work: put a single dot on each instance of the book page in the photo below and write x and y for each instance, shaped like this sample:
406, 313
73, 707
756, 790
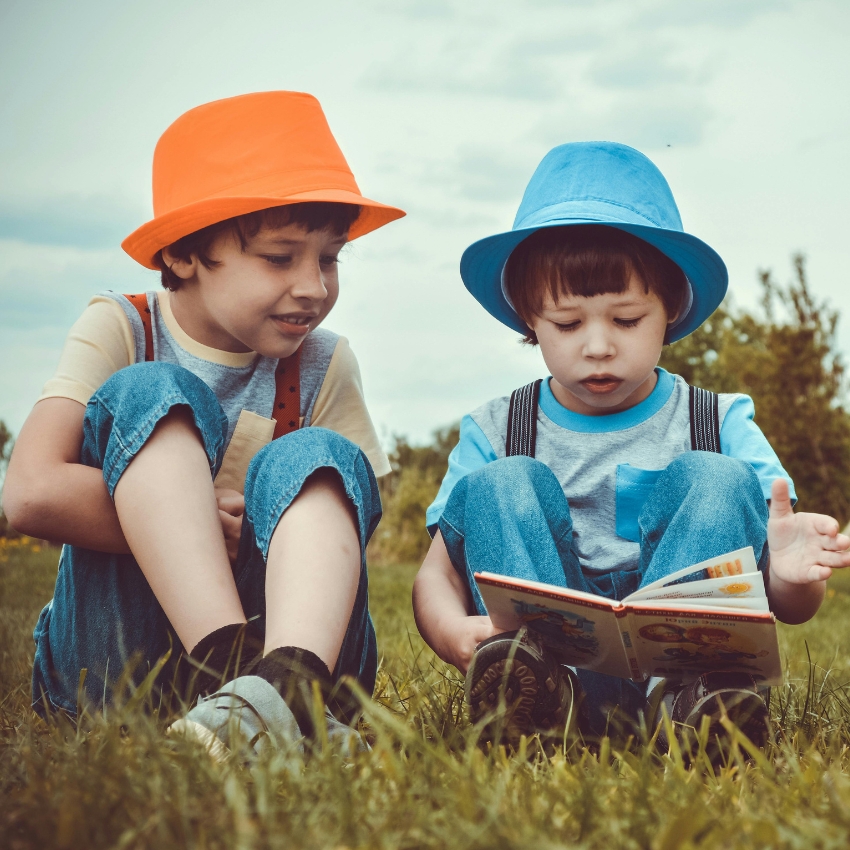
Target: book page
738, 563
677, 642
737, 591
580, 629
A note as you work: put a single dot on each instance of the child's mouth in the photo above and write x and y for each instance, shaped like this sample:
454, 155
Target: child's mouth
601, 384
293, 325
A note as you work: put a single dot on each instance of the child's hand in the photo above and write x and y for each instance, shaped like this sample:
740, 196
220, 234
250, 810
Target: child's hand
804, 548
466, 634
231, 506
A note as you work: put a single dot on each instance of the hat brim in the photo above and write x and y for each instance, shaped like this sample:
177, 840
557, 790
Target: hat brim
482, 264
145, 242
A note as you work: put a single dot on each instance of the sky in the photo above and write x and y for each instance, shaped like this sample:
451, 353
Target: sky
442, 108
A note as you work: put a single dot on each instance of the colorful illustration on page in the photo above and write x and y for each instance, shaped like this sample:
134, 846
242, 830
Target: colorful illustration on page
564, 629
705, 647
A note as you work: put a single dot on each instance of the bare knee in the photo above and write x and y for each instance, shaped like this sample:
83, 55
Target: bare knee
178, 423
324, 489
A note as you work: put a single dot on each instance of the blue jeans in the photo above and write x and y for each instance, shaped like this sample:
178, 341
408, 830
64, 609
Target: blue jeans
104, 614
512, 518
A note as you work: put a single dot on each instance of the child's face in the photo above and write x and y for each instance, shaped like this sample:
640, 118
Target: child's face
266, 298
602, 350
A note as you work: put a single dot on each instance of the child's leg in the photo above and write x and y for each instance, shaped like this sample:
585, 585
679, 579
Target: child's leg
168, 513
313, 571
311, 505
511, 518
703, 504
104, 611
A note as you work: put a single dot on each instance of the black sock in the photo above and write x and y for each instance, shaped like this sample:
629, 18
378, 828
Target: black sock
292, 671
223, 655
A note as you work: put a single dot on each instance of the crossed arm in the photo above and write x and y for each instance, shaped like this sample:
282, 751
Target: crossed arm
49, 494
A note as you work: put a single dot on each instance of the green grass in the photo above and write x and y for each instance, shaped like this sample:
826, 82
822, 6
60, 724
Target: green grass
121, 783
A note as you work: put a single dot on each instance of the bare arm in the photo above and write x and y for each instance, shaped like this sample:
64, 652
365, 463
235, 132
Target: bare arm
442, 607
48, 493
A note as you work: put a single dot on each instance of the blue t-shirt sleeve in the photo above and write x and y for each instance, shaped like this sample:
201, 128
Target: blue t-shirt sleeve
740, 437
472, 452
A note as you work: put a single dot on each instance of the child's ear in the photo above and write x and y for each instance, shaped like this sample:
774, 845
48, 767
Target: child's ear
184, 268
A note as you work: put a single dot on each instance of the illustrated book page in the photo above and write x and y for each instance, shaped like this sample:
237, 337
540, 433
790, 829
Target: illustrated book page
709, 616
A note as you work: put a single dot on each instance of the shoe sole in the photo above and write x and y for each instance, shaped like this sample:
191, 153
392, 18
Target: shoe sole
745, 709
192, 731
519, 682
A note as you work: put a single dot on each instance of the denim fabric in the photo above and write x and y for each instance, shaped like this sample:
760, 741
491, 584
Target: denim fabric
512, 518
103, 613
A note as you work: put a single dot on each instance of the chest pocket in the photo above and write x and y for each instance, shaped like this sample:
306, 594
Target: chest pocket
633, 484
633, 488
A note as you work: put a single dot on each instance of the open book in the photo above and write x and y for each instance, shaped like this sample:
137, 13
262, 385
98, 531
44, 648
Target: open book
711, 616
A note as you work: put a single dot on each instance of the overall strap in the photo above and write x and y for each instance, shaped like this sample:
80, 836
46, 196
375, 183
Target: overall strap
140, 302
287, 378
705, 420
521, 438
287, 395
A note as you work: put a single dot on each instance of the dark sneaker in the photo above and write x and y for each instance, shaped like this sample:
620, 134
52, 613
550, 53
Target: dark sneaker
712, 695
513, 671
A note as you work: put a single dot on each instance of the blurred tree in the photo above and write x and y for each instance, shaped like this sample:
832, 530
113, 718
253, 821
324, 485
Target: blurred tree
406, 493
788, 362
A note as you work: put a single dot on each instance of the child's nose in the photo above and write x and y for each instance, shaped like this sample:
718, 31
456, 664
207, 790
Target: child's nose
597, 344
309, 283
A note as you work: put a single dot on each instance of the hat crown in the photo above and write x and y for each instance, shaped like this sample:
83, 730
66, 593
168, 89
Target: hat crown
598, 181
266, 143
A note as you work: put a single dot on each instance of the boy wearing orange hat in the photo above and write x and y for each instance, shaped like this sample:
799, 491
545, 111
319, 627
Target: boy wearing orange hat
205, 453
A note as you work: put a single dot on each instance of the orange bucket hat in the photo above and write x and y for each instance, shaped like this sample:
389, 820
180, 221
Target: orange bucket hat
244, 154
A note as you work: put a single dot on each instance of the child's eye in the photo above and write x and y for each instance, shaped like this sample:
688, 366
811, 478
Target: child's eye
329, 260
628, 323
567, 326
278, 259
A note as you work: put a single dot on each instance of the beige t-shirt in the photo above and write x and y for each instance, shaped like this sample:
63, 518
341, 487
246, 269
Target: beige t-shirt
101, 342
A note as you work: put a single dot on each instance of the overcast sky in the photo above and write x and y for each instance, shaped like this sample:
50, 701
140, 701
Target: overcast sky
442, 108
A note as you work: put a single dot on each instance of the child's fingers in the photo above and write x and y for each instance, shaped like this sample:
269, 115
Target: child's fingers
834, 559
839, 543
824, 524
818, 573
780, 499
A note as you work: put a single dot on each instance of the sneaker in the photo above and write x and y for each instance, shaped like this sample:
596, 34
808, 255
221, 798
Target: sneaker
513, 670
247, 714
712, 695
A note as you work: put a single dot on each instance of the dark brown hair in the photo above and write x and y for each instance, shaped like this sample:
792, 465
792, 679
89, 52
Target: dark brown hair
314, 215
587, 260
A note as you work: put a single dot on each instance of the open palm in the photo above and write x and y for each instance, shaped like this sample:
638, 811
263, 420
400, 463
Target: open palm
803, 547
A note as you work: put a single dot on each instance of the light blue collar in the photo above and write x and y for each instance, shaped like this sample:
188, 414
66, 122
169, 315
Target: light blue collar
611, 421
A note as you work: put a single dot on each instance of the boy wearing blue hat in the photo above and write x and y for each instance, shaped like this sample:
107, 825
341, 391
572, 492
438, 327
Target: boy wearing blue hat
611, 473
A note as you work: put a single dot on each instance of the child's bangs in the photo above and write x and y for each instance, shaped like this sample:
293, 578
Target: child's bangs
312, 216
587, 260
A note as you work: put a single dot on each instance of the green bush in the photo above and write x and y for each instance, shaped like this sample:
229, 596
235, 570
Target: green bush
787, 360
406, 493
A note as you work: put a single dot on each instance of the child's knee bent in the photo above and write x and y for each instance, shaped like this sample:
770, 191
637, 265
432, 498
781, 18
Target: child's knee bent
712, 470
125, 410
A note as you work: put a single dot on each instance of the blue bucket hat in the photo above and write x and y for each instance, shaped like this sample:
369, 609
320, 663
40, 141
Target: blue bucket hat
599, 183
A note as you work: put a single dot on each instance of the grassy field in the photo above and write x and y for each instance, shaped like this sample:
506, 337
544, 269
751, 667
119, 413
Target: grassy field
119, 783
